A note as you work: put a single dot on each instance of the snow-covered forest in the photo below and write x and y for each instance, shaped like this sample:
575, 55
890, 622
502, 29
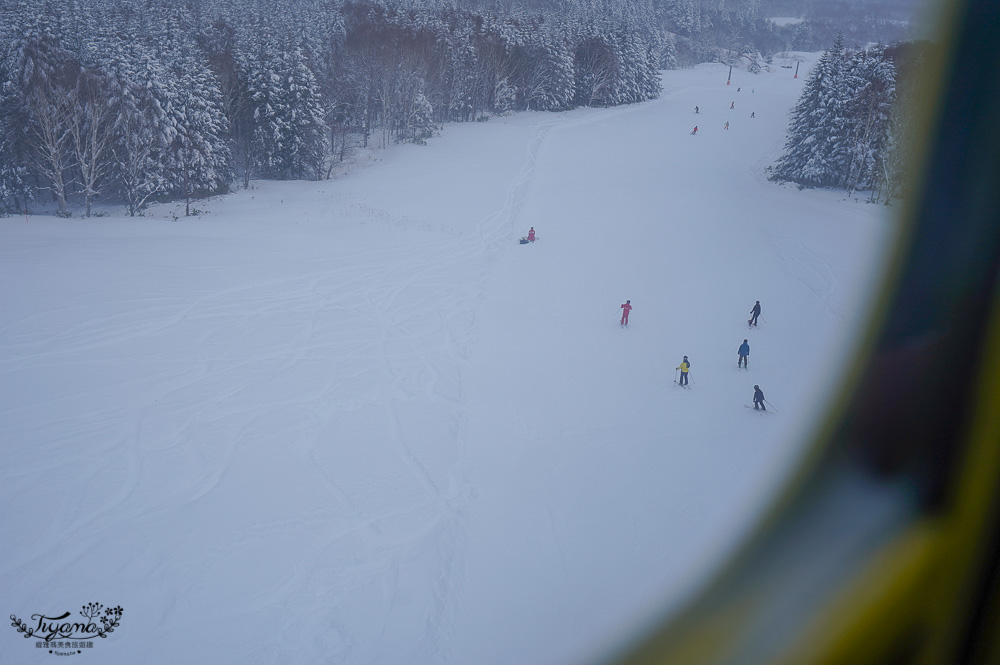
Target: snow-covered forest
135, 102
140, 101
847, 130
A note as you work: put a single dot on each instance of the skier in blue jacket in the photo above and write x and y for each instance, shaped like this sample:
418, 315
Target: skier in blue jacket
744, 353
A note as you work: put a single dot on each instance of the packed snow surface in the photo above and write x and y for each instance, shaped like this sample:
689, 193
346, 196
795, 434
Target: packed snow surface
355, 421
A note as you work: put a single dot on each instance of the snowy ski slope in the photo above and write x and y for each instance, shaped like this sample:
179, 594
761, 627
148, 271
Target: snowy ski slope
355, 421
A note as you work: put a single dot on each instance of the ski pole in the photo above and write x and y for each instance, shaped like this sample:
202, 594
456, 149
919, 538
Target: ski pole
689, 377
772, 406
675, 375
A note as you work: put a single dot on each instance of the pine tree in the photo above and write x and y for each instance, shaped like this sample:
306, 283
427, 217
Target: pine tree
668, 53
303, 147
197, 155
144, 131
14, 189
549, 84
813, 151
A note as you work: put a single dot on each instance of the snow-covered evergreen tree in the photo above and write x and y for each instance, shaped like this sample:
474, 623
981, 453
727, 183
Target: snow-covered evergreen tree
304, 146
840, 125
144, 130
667, 52
197, 157
549, 84
814, 152
15, 191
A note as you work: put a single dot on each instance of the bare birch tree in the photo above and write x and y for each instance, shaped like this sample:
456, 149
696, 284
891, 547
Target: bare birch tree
48, 132
91, 131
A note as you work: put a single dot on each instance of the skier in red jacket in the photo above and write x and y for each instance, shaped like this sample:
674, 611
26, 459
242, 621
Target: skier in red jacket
626, 308
531, 234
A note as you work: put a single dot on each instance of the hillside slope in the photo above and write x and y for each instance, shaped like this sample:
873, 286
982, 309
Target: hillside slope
356, 422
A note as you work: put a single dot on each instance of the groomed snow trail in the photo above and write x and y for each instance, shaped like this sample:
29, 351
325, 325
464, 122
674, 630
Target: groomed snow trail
356, 422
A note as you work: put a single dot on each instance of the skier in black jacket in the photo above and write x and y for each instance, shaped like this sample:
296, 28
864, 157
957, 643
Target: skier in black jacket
755, 312
758, 399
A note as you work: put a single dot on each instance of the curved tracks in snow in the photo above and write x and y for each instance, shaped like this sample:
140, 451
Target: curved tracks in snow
289, 428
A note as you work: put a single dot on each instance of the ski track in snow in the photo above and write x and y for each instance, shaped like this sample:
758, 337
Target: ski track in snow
809, 270
276, 436
404, 330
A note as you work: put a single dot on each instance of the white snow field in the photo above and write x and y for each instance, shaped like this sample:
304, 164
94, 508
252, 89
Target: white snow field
356, 422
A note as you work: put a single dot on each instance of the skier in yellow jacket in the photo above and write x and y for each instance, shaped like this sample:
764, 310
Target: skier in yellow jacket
684, 367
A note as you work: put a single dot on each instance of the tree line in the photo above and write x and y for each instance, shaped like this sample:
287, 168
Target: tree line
148, 100
850, 129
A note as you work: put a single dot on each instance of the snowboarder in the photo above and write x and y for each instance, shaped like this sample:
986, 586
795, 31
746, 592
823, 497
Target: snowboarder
626, 308
684, 367
695, 130
758, 399
727, 125
695, 109
755, 312
744, 355
531, 234
752, 114
733, 105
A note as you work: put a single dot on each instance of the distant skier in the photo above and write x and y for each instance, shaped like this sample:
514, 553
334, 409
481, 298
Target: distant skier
752, 114
727, 125
733, 105
744, 353
737, 89
695, 130
626, 308
684, 367
531, 234
754, 313
758, 399
695, 109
